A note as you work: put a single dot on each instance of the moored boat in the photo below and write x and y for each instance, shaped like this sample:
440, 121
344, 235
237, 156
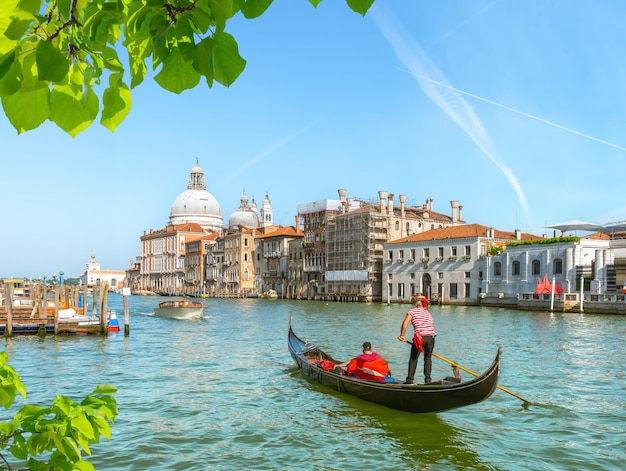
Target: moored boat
437, 396
180, 309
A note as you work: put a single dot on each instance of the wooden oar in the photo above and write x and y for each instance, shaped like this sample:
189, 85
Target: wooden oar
476, 375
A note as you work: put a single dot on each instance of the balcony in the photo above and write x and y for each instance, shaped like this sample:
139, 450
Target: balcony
439, 259
452, 258
410, 260
425, 259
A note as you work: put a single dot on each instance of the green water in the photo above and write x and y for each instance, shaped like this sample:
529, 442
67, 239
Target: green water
223, 392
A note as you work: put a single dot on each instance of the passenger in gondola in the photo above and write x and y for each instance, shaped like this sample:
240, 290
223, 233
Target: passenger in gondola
423, 338
368, 365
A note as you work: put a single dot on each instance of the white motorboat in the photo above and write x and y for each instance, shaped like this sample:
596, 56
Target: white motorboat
180, 309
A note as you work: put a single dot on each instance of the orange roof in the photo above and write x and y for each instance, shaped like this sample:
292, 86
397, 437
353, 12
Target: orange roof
462, 232
282, 231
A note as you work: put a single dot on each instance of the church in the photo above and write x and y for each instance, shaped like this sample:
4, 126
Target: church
172, 258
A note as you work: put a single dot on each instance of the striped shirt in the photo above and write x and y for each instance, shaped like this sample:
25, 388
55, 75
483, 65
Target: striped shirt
422, 321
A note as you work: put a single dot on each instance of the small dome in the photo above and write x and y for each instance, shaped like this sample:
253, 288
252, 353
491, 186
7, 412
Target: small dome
197, 205
245, 215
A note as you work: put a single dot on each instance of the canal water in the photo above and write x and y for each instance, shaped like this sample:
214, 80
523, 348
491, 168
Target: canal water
222, 393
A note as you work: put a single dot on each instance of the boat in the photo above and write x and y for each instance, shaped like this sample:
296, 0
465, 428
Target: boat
437, 396
269, 294
180, 309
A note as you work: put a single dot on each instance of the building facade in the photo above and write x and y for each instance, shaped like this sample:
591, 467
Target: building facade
446, 265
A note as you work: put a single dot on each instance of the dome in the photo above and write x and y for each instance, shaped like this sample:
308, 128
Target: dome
245, 215
197, 205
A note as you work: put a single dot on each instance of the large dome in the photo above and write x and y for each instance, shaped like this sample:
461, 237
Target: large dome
197, 205
245, 215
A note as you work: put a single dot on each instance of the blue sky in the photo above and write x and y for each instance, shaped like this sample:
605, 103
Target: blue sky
515, 109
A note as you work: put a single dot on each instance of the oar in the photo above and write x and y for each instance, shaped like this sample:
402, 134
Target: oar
476, 375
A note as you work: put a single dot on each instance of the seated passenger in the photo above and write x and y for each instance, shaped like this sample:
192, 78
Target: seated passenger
368, 365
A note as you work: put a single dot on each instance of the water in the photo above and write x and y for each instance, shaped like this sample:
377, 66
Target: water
223, 393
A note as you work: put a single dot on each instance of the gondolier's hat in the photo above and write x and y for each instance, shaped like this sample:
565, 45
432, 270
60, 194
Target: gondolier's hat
367, 346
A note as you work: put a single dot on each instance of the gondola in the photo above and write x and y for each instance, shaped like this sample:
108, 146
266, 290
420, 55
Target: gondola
437, 396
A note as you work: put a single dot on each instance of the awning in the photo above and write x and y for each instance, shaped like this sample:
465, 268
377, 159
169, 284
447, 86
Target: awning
577, 226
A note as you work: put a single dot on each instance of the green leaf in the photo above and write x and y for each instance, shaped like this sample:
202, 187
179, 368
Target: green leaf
202, 59
360, 6
52, 65
105, 388
255, 8
27, 110
226, 62
73, 112
116, 103
11, 82
30, 6
20, 22
221, 10
177, 75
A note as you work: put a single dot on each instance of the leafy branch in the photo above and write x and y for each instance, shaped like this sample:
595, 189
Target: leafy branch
55, 54
53, 437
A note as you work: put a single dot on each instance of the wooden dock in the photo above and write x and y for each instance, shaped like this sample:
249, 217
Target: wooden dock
54, 309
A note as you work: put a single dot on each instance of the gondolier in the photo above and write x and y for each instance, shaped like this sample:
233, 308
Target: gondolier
423, 339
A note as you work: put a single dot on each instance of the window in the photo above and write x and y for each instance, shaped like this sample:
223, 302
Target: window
390, 288
468, 250
412, 288
440, 275
558, 266
440, 252
497, 269
453, 291
401, 290
536, 267
390, 255
413, 254
412, 276
397, 225
453, 251
467, 274
401, 252
426, 252
467, 290
516, 270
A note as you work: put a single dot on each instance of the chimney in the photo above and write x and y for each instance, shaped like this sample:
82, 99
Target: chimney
349, 205
402, 201
297, 223
460, 212
342, 198
390, 206
383, 201
455, 207
430, 208
518, 234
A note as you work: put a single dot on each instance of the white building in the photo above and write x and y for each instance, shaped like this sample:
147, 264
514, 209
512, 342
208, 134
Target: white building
94, 274
446, 264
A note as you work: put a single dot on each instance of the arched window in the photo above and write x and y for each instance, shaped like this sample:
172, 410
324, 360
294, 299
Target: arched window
497, 269
536, 270
516, 268
557, 267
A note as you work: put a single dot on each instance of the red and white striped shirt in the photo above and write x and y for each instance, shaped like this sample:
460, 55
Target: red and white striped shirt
422, 321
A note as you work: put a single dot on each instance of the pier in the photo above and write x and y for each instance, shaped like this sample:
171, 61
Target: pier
53, 309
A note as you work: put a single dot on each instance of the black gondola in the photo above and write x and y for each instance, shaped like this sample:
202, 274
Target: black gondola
419, 398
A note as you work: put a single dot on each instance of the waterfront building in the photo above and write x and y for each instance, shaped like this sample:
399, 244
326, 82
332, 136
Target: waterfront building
563, 261
238, 264
446, 264
297, 288
196, 249
214, 267
95, 274
274, 254
355, 237
163, 257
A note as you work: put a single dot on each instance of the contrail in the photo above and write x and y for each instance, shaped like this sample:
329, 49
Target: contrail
508, 108
411, 54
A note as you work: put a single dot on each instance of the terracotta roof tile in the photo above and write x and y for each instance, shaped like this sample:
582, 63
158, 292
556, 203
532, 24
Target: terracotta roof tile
462, 232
